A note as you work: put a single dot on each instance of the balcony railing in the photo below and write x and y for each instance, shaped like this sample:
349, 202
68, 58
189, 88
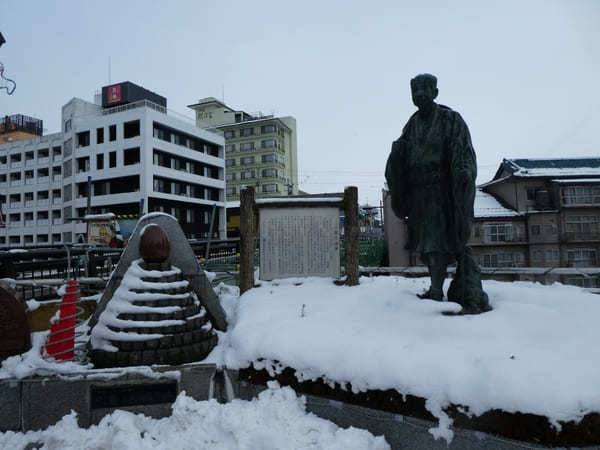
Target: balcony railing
14, 205
3, 184
140, 104
30, 180
3, 166
56, 200
43, 179
44, 160
43, 222
16, 165
43, 201
16, 182
28, 203
57, 221
14, 224
580, 236
29, 223
56, 178
30, 162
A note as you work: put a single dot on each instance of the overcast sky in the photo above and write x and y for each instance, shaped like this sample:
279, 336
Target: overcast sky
523, 74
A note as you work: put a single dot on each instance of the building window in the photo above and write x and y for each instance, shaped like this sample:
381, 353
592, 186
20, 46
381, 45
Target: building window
270, 188
230, 177
582, 257
268, 143
503, 260
83, 164
99, 135
536, 230
583, 225
112, 133
266, 129
230, 148
247, 160
246, 146
552, 256
83, 139
247, 132
229, 134
584, 282
112, 159
68, 147
498, 232
100, 161
269, 158
68, 125
269, 173
131, 156
231, 190
581, 195
230, 162
248, 174
131, 129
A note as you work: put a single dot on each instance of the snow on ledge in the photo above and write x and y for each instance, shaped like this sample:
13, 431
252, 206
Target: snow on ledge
106, 216
263, 201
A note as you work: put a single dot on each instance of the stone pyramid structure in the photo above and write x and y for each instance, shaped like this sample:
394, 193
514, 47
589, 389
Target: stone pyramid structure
158, 306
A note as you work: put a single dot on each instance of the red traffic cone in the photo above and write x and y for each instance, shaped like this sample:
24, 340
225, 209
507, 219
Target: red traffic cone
60, 343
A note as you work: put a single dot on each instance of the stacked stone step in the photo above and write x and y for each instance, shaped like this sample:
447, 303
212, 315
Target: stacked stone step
188, 342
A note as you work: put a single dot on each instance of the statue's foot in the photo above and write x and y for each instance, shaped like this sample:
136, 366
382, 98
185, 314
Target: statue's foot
432, 294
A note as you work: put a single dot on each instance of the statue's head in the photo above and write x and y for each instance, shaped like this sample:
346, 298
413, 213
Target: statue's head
424, 90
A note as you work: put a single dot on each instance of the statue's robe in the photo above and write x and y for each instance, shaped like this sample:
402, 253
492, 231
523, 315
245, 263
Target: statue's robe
431, 175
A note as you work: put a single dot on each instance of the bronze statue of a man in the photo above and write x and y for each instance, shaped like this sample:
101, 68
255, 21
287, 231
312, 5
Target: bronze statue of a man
431, 175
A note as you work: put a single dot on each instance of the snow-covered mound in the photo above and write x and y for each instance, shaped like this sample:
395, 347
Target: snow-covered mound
277, 420
536, 352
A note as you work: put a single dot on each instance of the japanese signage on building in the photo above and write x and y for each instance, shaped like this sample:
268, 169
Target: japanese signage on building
114, 94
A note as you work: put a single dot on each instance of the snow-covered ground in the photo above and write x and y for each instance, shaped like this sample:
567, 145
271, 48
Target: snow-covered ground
276, 420
536, 352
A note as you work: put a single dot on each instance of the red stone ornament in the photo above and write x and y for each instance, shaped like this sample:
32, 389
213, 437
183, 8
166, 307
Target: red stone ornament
154, 244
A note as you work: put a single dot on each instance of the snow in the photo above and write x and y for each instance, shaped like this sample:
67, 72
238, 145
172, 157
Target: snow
143, 230
32, 304
577, 180
486, 205
536, 352
262, 201
123, 302
578, 172
17, 250
32, 363
106, 216
276, 420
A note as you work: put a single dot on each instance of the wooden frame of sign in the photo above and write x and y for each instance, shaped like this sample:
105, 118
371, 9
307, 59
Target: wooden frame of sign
249, 209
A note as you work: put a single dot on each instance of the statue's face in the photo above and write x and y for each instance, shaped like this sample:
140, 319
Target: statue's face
423, 94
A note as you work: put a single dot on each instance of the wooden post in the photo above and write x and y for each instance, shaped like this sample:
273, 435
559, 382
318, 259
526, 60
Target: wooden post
351, 231
247, 234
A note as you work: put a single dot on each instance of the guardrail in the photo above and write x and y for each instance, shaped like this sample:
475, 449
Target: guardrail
38, 270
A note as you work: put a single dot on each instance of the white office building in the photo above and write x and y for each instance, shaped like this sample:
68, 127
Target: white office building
135, 158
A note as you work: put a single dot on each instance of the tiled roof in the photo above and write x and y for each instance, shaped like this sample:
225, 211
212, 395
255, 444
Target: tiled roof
525, 167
